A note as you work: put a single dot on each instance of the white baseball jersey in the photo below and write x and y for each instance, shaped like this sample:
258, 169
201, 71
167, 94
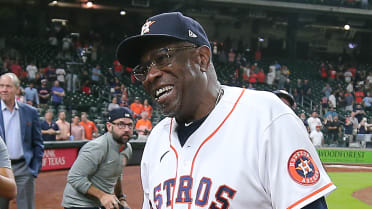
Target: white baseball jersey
252, 151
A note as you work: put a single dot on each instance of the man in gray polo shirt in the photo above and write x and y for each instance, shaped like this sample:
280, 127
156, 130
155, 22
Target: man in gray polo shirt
94, 179
8, 188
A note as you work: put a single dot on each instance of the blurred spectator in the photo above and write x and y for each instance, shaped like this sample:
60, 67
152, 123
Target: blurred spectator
306, 88
327, 90
332, 73
323, 72
359, 95
271, 75
355, 123
317, 137
250, 86
31, 71
90, 128
284, 77
86, 87
31, 94
332, 99
369, 77
348, 129
19, 95
136, 107
77, 130
123, 101
64, 127
363, 126
231, 56
50, 73
252, 77
53, 41
258, 55
66, 46
314, 121
114, 104
57, 94
118, 68
334, 130
331, 112
115, 86
359, 112
123, 90
44, 94
340, 99
61, 73
73, 82
261, 77
325, 104
96, 74
367, 101
16, 69
349, 101
348, 76
302, 116
49, 128
350, 87
143, 125
147, 108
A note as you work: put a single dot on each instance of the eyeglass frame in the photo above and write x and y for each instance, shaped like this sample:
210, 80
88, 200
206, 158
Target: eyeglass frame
152, 62
122, 125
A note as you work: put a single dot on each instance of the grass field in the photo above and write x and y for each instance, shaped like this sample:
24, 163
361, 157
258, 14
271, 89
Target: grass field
347, 183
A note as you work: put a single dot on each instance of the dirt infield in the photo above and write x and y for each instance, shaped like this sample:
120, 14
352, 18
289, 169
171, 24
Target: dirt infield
364, 195
50, 186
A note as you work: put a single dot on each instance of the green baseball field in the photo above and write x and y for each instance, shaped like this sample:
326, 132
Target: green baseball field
347, 184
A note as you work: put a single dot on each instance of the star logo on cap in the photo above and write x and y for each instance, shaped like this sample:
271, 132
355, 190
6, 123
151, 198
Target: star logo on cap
192, 34
146, 27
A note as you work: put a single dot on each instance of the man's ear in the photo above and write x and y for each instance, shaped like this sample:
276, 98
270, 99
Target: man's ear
108, 126
204, 54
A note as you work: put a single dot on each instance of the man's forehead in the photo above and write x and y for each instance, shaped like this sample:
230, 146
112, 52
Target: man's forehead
155, 46
125, 120
5, 79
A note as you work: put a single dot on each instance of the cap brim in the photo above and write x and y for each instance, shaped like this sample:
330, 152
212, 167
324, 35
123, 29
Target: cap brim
130, 50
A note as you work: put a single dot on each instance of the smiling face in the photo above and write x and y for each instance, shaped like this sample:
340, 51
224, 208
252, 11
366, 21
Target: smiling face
178, 87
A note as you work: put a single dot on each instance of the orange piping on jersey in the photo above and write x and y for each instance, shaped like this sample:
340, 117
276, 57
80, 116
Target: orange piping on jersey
213, 133
175, 152
310, 195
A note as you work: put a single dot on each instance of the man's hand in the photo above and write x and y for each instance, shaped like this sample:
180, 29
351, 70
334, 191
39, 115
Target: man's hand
124, 204
109, 201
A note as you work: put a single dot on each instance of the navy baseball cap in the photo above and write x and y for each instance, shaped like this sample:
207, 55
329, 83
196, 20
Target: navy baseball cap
120, 112
166, 26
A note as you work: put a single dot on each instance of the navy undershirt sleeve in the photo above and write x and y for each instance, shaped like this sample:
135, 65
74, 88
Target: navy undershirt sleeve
317, 204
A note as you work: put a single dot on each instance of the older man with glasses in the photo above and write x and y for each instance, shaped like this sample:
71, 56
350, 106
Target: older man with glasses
94, 180
220, 146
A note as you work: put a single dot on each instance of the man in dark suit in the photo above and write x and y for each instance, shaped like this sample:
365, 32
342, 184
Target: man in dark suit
22, 135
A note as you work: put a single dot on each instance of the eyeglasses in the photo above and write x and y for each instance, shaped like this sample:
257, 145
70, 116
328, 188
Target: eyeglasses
159, 59
123, 125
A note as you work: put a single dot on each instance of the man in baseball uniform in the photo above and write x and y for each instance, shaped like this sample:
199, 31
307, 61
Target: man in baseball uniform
220, 146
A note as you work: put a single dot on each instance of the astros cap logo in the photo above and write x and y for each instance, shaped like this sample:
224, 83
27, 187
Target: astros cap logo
146, 27
302, 168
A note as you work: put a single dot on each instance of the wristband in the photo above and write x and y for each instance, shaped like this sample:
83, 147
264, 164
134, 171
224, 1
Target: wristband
122, 197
